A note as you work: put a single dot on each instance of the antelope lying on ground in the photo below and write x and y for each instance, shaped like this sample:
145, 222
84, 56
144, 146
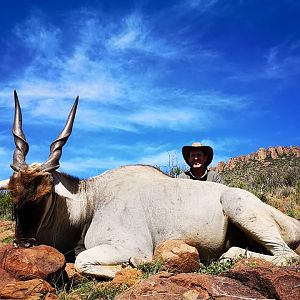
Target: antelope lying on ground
121, 215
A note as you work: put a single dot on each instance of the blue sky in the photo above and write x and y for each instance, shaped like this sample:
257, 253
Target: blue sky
152, 76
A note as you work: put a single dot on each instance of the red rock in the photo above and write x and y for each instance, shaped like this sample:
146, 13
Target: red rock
37, 262
273, 152
260, 155
220, 167
271, 281
6, 278
168, 286
177, 256
30, 289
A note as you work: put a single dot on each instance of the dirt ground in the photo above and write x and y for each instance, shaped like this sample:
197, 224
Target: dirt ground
6, 232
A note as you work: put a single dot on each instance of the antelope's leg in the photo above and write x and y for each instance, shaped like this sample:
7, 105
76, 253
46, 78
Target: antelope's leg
107, 259
237, 253
251, 215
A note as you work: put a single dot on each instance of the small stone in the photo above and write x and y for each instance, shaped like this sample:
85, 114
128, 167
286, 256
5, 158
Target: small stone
177, 256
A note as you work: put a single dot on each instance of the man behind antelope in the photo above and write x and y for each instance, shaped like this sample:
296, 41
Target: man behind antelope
199, 157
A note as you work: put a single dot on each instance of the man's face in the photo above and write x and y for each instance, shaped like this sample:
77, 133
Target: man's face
197, 159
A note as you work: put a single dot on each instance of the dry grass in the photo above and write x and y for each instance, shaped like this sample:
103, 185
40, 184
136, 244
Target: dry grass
6, 231
286, 199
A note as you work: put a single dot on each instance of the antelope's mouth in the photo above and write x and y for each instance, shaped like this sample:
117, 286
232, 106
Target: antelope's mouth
24, 242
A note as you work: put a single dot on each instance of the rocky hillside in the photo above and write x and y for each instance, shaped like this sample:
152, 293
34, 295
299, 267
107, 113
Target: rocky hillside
266, 156
280, 166
272, 174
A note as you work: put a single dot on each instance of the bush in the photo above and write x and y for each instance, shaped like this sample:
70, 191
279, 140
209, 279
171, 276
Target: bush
292, 209
172, 168
286, 191
297, 190
6, 205
151, 268
217, 267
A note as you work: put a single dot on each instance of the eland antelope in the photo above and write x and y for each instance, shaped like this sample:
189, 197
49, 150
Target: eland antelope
122, 214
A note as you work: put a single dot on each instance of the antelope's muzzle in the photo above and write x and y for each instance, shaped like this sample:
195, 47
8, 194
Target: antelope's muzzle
24, 242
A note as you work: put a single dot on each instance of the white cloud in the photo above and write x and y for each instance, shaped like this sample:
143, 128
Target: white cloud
6, 156
135, 149
163, 116
90, 162
279, 62
201, 4
2, 151
131, 35
115, 92
43, 39
135, 33
90, 166
133, 108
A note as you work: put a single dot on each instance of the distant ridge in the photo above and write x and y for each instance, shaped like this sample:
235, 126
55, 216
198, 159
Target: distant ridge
261, 155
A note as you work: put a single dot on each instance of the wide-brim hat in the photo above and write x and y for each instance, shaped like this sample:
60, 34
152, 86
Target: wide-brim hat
207, 150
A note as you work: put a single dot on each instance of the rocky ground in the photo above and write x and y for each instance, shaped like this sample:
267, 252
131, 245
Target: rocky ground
39, 272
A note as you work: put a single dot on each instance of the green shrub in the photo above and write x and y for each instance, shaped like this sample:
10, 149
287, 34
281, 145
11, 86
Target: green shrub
216, 267
7, 240
149, 269
292, 209
6, 205
297, 192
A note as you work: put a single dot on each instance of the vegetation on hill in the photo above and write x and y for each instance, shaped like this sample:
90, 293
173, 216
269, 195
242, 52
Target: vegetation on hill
274, 181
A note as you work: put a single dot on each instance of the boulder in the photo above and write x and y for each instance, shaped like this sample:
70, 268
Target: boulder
6, 278
269, 280
32, 289
220, 167
168, 286
177, 256
37, 262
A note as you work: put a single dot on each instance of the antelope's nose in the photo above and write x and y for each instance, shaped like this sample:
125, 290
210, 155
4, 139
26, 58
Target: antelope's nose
24, 242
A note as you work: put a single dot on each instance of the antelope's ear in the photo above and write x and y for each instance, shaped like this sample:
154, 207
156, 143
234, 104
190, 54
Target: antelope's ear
4, 184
